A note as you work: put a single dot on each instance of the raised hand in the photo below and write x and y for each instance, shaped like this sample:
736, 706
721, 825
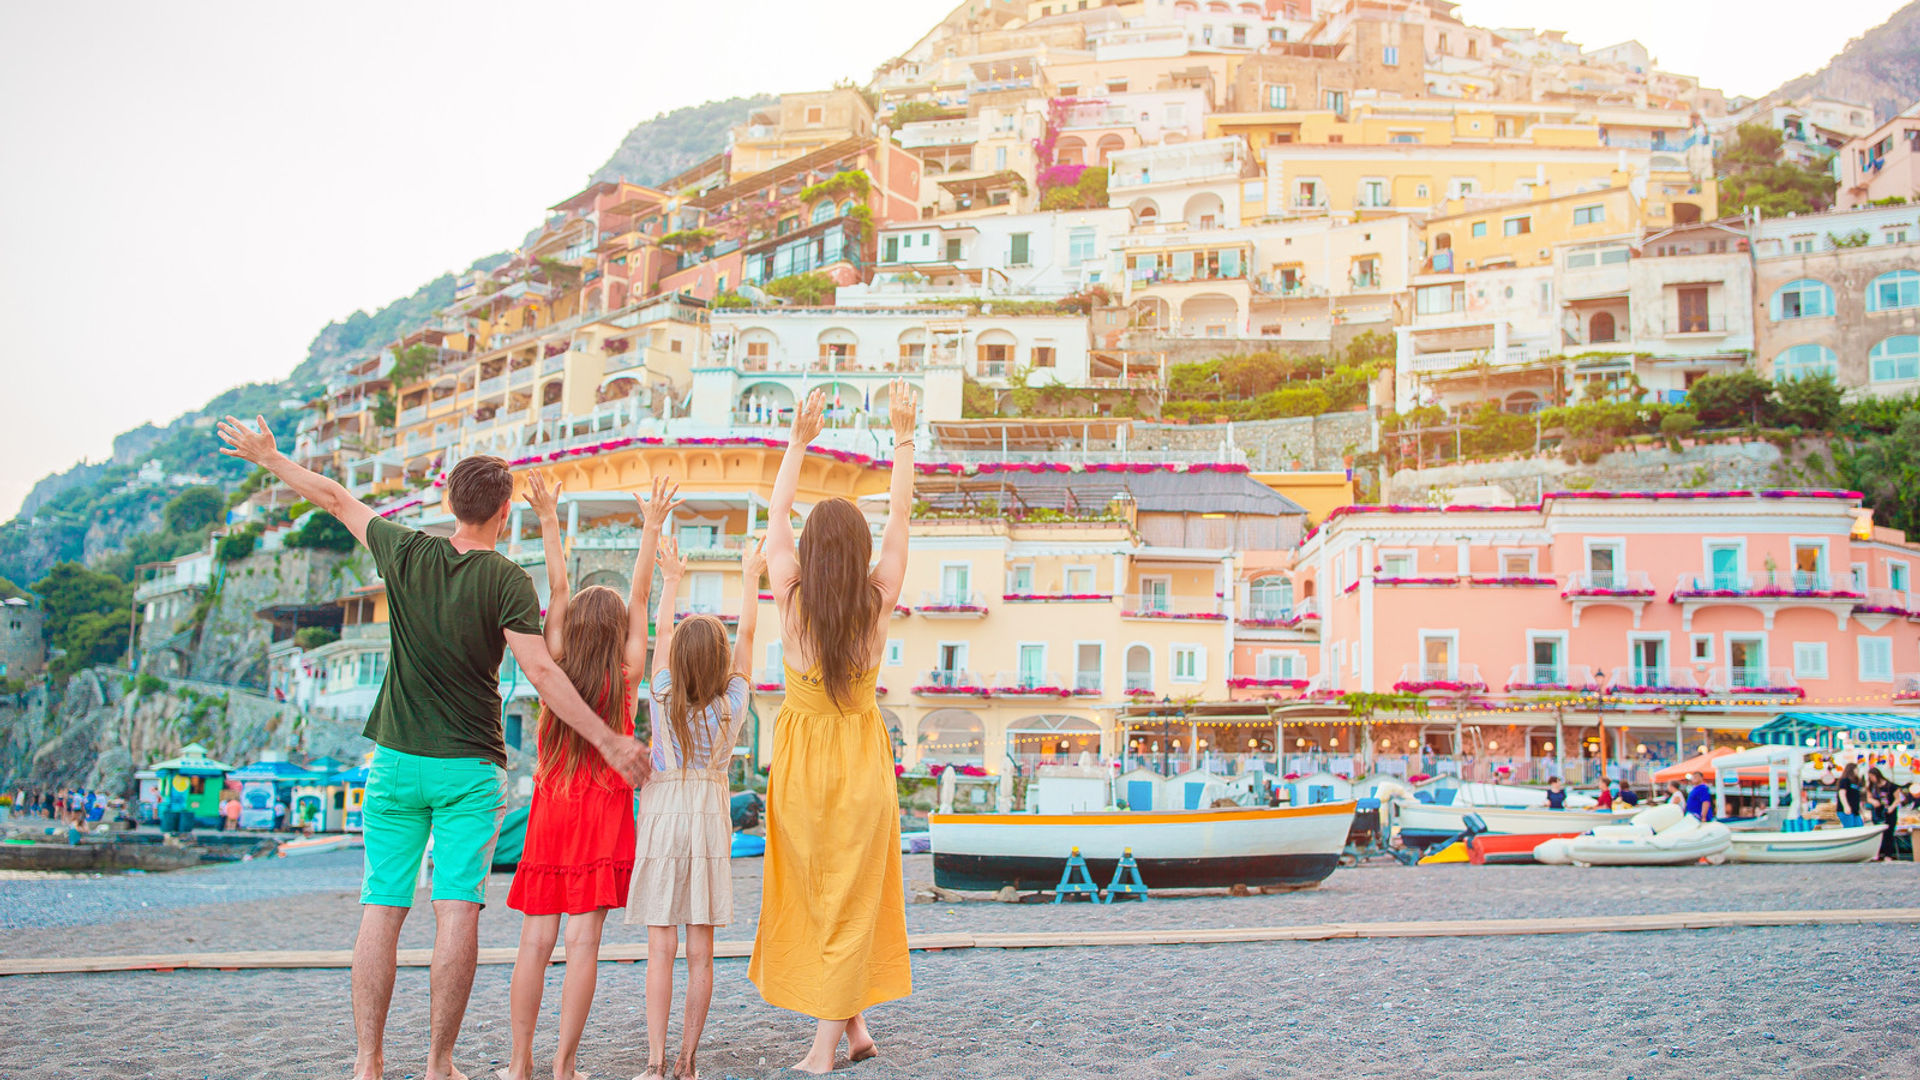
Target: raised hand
544, 500
753, 564
810, 418
669, 560
654, 511
247, 443
903, 408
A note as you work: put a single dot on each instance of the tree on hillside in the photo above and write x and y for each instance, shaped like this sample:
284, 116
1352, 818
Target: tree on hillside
195, 508
1885, 468
87, 613
1752, 174
1729, 400
8, 590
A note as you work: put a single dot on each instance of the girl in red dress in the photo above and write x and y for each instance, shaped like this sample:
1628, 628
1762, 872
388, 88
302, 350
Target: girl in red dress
578, 857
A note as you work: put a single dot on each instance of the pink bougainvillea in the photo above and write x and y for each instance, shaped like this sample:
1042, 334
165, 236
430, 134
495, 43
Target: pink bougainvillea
1250, 683
1441, 686
1030, 598
1177, 616
1515, 580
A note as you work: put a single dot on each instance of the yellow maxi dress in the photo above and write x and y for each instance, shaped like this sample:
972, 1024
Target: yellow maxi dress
833, 919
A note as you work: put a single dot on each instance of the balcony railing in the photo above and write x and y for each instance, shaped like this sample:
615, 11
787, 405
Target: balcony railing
1754, 680
1139, 680
1643, 680
1168, 606
1801, 584
769, 678
1625, 583
411, 416
1906, 687
950, 681
1451, 677
1088, 682
1550, 678
951, 602
489, 387
1698, 324
552, 364
1032, 683
1879, 601
1306, 609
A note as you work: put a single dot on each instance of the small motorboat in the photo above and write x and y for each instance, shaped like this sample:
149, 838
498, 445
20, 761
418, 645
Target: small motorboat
1277, 847
1423, 824
1660, 836
1856, 844
1495, 849
314, 845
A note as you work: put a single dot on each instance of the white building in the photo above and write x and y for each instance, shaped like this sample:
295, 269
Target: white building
1043, 255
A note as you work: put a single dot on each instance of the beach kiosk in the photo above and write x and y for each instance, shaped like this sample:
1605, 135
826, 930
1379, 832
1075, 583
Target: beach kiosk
264, 785
190, 788
311, 808
147, 805
1888, 740
349, 796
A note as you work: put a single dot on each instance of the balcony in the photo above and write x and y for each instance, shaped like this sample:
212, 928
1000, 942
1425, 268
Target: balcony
1163, 607
410, 417
1305, 610
1630, 589
1695, 326
1088, 684
1906, 687
552, 365
1516, 356
1889, 602
1263, 615
950, 682
1449, 678
1796, 589
951, 604
1552, 679
1034, 684
770, 680
1641, 680
490, 387
1749, 681
1139, 684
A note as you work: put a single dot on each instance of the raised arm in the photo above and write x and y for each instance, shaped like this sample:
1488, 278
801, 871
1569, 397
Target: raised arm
892, 569
627, 756
653, 514
671, 567
753, 563
545, 502
257, 446
782, 560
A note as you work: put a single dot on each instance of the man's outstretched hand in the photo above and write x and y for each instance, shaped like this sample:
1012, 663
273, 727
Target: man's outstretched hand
630, 759
247, 443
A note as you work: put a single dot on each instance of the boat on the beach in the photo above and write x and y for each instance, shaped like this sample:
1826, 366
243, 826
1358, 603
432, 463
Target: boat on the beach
1856, 844
1273, 847
1497, 849
314, 845
1424, 824
1660, 836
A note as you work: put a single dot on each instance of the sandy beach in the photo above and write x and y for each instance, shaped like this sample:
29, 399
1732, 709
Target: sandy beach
1786, 1001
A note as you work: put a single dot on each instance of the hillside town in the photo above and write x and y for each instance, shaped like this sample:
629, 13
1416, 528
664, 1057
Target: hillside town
1374, 235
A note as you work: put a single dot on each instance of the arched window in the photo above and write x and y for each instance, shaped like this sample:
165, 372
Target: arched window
1802, 299
846, 208
823, 211
1270, 597
1894, 290
1804, 361
1139, 667
1896, 359
1600, 327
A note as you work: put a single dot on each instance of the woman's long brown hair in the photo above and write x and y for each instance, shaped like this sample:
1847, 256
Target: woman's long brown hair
835, 595
700, 660
592, 648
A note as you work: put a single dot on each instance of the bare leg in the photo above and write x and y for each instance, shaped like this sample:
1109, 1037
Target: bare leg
537, 935
826, 1040
859, 1039
663, 943
576, 990
374, 958
699, 995
456, 945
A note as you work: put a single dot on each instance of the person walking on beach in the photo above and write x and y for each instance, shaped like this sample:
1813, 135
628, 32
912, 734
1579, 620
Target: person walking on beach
578, 853
1883, 801
682, 871
1846, 797
1699, 798
832, 939
439, 764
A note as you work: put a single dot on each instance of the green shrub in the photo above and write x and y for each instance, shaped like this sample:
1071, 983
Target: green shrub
312, 637
235, 546
322, 532
1813, 402
1729, 400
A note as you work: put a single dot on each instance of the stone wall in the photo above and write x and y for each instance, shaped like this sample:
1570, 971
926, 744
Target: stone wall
22, 651
232, 646
1195, 350
1298, 443
1714, 465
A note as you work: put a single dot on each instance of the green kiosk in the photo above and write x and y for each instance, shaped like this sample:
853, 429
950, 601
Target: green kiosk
190, 787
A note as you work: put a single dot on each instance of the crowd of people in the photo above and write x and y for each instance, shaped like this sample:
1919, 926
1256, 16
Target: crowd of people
68, 806
831, 940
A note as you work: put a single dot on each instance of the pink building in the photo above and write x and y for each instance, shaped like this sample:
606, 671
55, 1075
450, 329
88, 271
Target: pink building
1657, 622
1882, 164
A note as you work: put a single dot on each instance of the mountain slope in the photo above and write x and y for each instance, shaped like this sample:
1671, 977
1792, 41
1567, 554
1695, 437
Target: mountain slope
1880, 68
673, 142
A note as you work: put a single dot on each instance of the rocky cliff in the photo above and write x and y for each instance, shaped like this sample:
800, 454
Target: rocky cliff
1880, 68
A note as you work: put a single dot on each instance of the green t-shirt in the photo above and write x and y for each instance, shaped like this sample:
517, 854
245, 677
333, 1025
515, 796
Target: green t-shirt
447, 612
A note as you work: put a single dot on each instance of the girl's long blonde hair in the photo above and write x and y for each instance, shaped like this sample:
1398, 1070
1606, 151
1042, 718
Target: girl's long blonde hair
700, 661
592, 648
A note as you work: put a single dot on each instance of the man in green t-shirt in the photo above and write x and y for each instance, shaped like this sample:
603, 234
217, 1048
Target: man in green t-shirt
455, 604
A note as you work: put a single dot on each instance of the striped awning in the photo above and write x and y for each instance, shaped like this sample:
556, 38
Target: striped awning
1825, 729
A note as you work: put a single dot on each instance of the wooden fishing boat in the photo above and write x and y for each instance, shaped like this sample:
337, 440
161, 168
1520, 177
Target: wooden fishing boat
314, 845
1422, 824
1275, 847
1856, 844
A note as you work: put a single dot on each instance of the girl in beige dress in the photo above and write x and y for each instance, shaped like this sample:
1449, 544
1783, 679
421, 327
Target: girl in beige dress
697, 701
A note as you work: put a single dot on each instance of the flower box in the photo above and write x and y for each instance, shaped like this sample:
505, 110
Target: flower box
1139, 692
1517, 582
1549, 688
1642, 594
1177, 616
1764, 592
1879, 609
1656, 691
1907, 695
1266, 624
950, 609
1417, 581
1249, 683
956, 690
1439, 686
1304, 616
766, 687
1032, 691
1071, 598
901, 611
1768, 691
1086, 691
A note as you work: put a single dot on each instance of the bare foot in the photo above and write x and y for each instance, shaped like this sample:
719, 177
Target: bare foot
860, 1041
654, 1072
684, 1069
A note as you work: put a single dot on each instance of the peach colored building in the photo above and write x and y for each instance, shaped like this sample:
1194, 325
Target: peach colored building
1633, 624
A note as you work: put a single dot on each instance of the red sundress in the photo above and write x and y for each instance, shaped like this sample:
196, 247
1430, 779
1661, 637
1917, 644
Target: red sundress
578, 855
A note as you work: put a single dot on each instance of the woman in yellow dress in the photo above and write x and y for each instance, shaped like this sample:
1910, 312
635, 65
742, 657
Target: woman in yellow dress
833, 921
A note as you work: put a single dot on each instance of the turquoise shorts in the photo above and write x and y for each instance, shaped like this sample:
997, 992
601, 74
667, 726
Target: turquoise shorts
459, 802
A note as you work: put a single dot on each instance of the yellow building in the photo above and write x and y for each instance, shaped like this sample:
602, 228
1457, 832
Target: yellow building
1483, 233
796, 127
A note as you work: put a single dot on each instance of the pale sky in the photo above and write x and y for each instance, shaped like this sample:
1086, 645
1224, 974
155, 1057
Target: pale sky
191, 190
